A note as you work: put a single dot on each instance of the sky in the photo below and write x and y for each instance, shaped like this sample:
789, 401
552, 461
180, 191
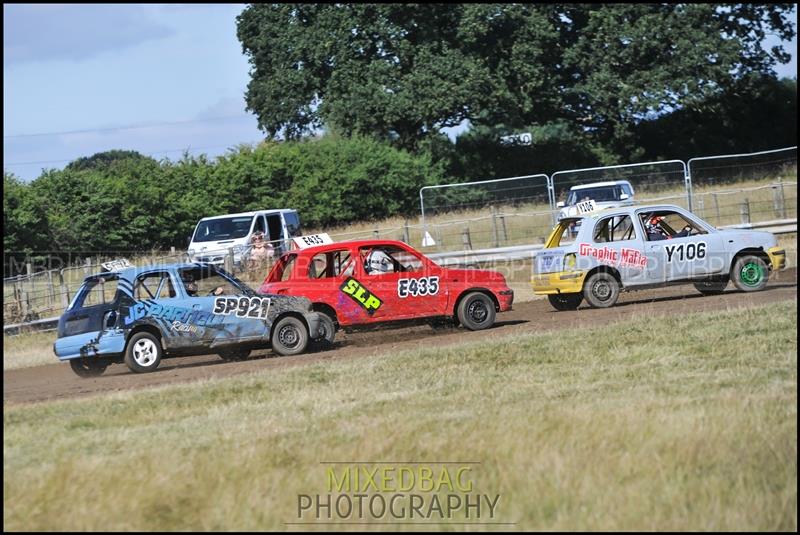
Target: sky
160, 79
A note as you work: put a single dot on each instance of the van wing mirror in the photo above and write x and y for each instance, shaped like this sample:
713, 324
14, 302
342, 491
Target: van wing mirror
623, 196
560, 204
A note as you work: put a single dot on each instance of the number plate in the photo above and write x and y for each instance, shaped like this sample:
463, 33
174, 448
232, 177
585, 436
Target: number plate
549, 263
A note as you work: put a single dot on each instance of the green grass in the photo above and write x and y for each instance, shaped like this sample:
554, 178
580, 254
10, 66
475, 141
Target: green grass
623, 427
28, 349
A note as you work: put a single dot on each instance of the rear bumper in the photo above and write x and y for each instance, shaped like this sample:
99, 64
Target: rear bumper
777, 258
313, 322
562, 282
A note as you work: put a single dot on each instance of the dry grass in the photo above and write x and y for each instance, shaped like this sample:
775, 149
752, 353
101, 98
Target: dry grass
623, 427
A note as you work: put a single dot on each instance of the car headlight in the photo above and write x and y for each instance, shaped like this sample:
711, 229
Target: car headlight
238, 249
191, 252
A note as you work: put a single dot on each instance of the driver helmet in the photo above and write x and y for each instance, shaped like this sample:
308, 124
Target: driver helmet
653, 223
379, 262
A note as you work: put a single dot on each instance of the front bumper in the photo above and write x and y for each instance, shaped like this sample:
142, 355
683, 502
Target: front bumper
777, 258
561, 282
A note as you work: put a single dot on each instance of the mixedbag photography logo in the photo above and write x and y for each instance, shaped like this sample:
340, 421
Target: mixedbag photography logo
398, 493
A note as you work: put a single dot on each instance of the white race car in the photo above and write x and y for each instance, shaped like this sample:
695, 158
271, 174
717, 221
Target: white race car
638, 247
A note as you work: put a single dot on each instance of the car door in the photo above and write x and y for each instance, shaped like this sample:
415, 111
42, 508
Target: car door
408, 285
617, 242
222, 310
686, 249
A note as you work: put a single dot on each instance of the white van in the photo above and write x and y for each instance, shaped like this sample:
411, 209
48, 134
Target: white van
214, 236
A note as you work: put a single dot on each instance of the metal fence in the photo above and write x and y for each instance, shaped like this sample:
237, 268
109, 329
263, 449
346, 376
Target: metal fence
729, 189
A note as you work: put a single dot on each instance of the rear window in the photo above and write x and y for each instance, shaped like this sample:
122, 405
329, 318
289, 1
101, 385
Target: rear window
565, 232
96, 292
283, 268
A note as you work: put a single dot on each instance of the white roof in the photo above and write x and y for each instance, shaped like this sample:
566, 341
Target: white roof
599, 184
247, 214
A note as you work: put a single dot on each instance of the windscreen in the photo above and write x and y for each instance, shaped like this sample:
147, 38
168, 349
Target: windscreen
223, 228
600, 194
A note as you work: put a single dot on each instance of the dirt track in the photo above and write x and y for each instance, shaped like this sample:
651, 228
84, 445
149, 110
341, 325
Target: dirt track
57, 381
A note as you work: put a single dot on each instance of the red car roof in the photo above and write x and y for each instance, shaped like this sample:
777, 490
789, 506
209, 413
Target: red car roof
345, 244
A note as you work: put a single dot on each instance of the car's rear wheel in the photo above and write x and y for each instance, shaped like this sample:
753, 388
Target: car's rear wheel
565, 301
476, 311
327, 332
289, 336
234, 354
711, 287
750, 273
88, 367
143, 353
601, 290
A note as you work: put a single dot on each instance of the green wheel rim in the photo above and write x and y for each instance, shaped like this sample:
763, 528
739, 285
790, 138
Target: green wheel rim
752, 273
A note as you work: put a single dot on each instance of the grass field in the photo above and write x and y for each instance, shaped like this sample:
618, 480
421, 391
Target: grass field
624, 427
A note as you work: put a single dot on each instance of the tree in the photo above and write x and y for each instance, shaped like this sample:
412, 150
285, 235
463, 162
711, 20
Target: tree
403, 71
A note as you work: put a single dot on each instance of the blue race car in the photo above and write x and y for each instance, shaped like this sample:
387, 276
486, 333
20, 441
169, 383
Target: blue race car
139, 315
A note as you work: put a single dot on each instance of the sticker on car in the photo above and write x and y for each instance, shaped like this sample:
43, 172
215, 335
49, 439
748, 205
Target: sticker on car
417, 287
361, 295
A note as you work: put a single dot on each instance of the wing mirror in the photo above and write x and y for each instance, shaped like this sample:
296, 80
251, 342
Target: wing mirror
624, 196
560, 204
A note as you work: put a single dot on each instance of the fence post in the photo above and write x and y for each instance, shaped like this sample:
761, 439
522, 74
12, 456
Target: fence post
51, 291
406, 237
465, 240
376, 234
778, 200
504, 233
701, 208
494, 226
86, 264
64, 291
716, 206
229, 260
744, 211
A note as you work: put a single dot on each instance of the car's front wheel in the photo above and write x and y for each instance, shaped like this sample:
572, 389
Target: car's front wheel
750, 273
88, 367
143, 353
565, 301
601, 290
290, 336
476, 311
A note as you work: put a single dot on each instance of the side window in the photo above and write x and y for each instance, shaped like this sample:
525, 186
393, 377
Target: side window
614, 228
667, 224
154, 286
97, 292
389, 259
330, 264
288, 267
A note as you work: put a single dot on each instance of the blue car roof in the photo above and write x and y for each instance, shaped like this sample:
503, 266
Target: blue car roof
133, 272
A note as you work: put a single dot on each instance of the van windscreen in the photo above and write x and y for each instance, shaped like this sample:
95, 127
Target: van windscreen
223, 228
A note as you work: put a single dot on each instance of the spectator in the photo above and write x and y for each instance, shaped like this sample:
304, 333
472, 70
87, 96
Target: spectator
260, 251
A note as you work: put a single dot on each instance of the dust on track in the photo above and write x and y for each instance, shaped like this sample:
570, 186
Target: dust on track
57, 381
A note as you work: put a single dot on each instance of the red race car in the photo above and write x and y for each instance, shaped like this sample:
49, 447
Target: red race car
370, 282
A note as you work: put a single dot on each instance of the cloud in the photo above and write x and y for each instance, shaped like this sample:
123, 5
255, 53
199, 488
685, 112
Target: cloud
74, 32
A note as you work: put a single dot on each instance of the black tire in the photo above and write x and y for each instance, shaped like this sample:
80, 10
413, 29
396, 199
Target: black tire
565, 301
289, 336
750, 273
328, 328
143, 353
601, 290
476, 311
234, 354
711, 287
88, 367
